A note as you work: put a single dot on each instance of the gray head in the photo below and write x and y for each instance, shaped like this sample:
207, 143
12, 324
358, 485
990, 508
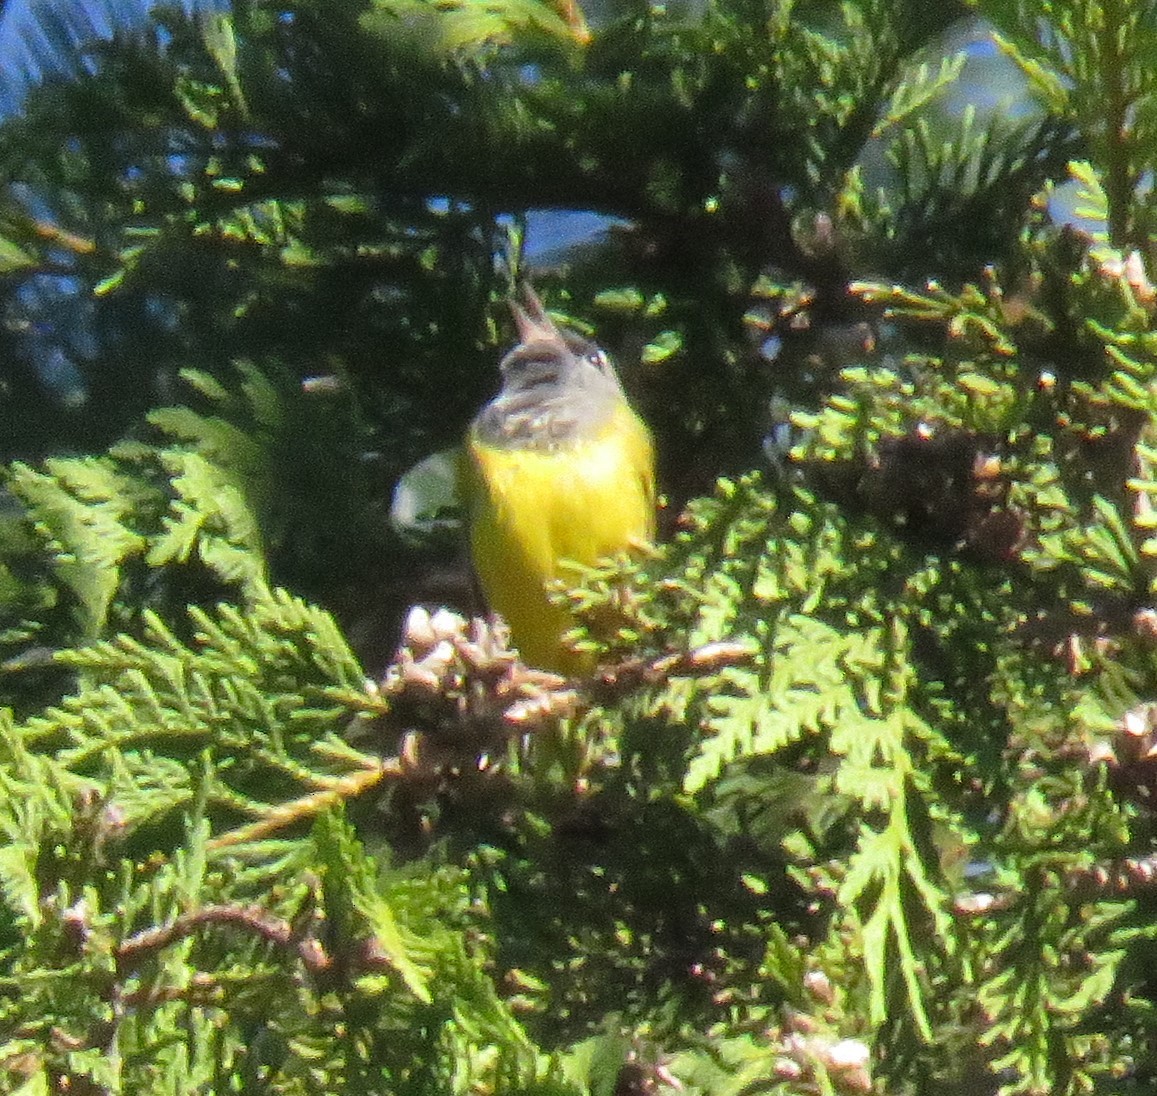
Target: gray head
556, 385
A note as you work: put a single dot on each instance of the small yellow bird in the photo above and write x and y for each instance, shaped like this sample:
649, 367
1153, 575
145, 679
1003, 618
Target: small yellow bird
559, 469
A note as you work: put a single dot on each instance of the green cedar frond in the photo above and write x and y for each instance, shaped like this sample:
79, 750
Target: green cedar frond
464, 29
354, 906
211, 437
803, 691
916, 91
83, 508
248, 697
1092, 205
203, 496
35, 801
834, 684
218, 35
1050, 959
164, 745
12, 257
1092, 65
212, 515
1068, 672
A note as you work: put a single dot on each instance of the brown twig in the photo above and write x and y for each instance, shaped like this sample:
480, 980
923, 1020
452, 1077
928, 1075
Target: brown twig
309, 806
252, 919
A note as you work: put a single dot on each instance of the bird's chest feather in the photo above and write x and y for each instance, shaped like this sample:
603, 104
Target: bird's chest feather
578, 501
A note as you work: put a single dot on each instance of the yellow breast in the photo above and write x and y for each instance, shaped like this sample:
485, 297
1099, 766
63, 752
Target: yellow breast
533, 510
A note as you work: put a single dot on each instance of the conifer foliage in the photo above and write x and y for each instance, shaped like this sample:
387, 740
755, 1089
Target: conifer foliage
861, 795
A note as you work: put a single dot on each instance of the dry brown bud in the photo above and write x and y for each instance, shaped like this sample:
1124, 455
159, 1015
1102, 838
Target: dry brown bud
419, 677
716, 656
544, 706
418, 630
447, 625
848, 1054
819, 985
1145, 623
787, 1069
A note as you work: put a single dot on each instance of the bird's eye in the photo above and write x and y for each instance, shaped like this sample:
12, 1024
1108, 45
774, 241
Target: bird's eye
598, 358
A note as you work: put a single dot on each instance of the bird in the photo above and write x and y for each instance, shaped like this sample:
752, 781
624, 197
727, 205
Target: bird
559, 470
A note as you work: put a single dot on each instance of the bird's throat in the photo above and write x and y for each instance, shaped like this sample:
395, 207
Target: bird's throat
545, 417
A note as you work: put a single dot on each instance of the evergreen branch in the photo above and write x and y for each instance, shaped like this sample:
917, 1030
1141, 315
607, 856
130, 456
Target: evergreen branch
1127, 877
307, 807
83, 508
1121, 177
913, 94
861, 793
143, 946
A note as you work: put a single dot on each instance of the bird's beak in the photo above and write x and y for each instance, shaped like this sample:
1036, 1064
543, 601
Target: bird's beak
534, 325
